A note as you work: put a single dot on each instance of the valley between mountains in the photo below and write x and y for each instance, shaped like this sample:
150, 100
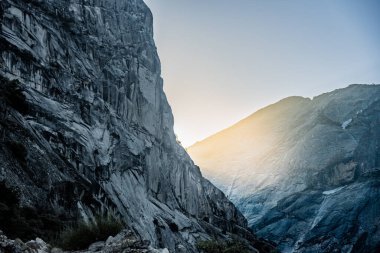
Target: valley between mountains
89, 161
87, 145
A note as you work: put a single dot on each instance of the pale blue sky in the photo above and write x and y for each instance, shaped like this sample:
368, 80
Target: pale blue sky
224, 59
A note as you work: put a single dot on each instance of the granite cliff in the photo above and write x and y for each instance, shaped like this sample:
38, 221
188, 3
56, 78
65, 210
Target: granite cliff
305, 172
85, 126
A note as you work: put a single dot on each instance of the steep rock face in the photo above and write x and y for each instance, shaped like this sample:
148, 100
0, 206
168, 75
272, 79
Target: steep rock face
86, 126
305, 172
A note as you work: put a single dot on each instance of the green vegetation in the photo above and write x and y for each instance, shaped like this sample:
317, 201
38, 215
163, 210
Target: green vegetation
24, 222
84, 234
223, 247
28, 223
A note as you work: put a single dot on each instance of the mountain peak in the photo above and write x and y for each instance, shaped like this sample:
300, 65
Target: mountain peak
289, 166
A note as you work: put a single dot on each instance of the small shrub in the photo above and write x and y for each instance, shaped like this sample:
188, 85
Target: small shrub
83, 235
237, 247
211, 246
223, 247
108, 226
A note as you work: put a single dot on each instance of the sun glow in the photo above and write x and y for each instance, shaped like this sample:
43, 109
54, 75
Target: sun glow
234, 57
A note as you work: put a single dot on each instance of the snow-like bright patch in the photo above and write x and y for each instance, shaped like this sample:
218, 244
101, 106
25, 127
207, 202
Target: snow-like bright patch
333, 191
346, 123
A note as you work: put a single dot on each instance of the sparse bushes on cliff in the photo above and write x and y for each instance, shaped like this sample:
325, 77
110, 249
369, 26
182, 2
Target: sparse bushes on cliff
24, 222
223, 247
210, 246
84, 234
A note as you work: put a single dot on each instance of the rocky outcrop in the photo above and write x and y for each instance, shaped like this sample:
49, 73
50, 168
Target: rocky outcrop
305, 172
86, 127
125, 241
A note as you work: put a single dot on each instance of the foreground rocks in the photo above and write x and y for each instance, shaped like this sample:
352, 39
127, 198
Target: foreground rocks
125, 242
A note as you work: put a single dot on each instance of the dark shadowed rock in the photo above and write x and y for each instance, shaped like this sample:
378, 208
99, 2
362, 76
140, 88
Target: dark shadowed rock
87, 127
